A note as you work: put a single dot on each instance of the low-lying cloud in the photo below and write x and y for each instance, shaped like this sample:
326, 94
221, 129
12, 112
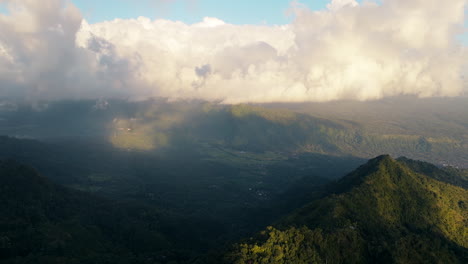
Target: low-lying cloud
348, 51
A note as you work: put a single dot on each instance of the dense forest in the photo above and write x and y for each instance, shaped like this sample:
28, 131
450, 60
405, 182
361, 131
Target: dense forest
195, 182
386, 211
42, 222
383, 212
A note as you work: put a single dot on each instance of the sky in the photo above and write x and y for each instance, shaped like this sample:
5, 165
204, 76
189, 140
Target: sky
234, 52
192, 11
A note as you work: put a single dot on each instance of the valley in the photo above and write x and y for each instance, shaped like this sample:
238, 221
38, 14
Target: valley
213, 175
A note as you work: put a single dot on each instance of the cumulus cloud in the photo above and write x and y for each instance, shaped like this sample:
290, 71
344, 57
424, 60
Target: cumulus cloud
348, 51
338, 4
39, 57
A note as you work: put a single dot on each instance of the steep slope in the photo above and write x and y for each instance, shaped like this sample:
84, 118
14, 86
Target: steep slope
383, 212
41, 222
214, 197
455, 176
430, 130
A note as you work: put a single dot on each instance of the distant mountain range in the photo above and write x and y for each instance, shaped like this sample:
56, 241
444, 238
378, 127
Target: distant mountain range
433, 130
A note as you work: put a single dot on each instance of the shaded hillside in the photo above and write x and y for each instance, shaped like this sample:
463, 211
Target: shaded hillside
430, 129
41, 222
206, 199
212, 181
390, 126
383, 212
255, 128
455, 176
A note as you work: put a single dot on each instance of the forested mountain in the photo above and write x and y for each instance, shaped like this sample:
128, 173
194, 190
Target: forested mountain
131, 133
386, 211
41, 222
206, 199
210, 174
383, 212
455, 176
393, 126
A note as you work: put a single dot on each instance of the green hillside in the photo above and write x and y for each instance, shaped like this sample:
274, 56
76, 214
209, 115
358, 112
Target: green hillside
458, 177
383, 212
41, 222
431, 130
256, 128
201, 202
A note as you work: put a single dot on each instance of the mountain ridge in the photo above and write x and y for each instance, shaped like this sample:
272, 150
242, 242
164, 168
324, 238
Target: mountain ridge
388, 214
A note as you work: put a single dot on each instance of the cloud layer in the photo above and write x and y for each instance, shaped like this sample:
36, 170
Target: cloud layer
349, 51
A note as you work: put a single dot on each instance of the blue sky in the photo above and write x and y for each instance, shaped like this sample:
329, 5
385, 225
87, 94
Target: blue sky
191, 11
271, 12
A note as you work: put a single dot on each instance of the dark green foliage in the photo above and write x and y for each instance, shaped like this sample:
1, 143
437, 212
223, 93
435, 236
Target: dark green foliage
41, 222
381, 213
458, 177
216, 173
202, 202
209, 197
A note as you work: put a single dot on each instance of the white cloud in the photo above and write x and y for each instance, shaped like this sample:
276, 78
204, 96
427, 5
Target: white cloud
338, 4
210, 22
350, 51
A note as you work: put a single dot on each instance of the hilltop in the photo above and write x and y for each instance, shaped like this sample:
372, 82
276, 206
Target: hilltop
383, 212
